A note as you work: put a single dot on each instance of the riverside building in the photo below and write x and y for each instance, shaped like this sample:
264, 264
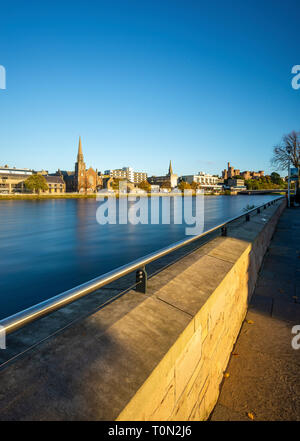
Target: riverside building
127, 173
204, 180
12, 179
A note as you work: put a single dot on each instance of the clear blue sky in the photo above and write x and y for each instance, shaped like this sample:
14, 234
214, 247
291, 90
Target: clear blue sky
144, 82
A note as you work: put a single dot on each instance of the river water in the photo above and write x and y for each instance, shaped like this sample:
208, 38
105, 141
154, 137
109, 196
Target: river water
49, 246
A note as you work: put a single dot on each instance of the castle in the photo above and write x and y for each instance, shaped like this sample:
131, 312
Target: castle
231, 172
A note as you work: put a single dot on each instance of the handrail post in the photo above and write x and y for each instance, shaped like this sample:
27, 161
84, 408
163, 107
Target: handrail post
224, 230
141, 280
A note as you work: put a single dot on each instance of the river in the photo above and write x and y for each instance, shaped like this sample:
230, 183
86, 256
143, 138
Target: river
48, 246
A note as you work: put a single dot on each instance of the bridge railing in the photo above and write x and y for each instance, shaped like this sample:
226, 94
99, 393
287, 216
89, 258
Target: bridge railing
22, 318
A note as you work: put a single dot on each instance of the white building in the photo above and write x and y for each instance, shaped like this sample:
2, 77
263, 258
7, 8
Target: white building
15, 171
154, 188
127, 173
204, 179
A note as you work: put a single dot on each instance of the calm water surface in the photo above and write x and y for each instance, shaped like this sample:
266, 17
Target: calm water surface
49, 246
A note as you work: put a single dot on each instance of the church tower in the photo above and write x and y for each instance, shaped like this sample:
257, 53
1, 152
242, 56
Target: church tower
80, 169
173, 178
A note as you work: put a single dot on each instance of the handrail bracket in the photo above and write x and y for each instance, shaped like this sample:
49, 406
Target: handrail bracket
141, 280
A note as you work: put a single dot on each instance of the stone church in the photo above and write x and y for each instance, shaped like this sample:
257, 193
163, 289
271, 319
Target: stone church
81, 180
169, 180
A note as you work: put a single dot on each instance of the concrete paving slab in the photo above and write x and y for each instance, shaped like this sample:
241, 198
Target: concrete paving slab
289, 312
262, 304
276, 342
264, 368
230, 250
223, 413
76, 383
263, 385
207, 272
36, 332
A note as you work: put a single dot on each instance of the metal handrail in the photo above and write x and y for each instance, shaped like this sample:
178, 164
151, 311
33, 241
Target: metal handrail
20, 319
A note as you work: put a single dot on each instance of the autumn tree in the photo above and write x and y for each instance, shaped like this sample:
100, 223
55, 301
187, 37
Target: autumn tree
36, 183
195, 185
165, 184
115, 183
144, 185
184, 186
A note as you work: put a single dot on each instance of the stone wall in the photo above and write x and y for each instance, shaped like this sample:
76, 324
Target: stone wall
185, 384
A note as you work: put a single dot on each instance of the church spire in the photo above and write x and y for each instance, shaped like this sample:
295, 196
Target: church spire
170, 169
80, 154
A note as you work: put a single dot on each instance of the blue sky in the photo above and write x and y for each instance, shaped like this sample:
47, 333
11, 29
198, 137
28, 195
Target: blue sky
144, 82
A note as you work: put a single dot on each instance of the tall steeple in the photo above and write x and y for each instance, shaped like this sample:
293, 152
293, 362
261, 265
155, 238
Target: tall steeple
170, 169
79, 167
80, 154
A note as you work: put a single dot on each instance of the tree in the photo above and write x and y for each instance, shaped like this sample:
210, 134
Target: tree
276, 178
252, 184
36, 183
266, 182
144, 185
288, 151
195, 185
184, 186
115, 183
165, 184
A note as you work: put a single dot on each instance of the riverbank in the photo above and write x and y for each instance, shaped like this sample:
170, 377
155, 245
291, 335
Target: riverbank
22, 197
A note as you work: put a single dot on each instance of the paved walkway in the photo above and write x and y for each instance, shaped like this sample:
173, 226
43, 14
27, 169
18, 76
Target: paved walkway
264, 369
